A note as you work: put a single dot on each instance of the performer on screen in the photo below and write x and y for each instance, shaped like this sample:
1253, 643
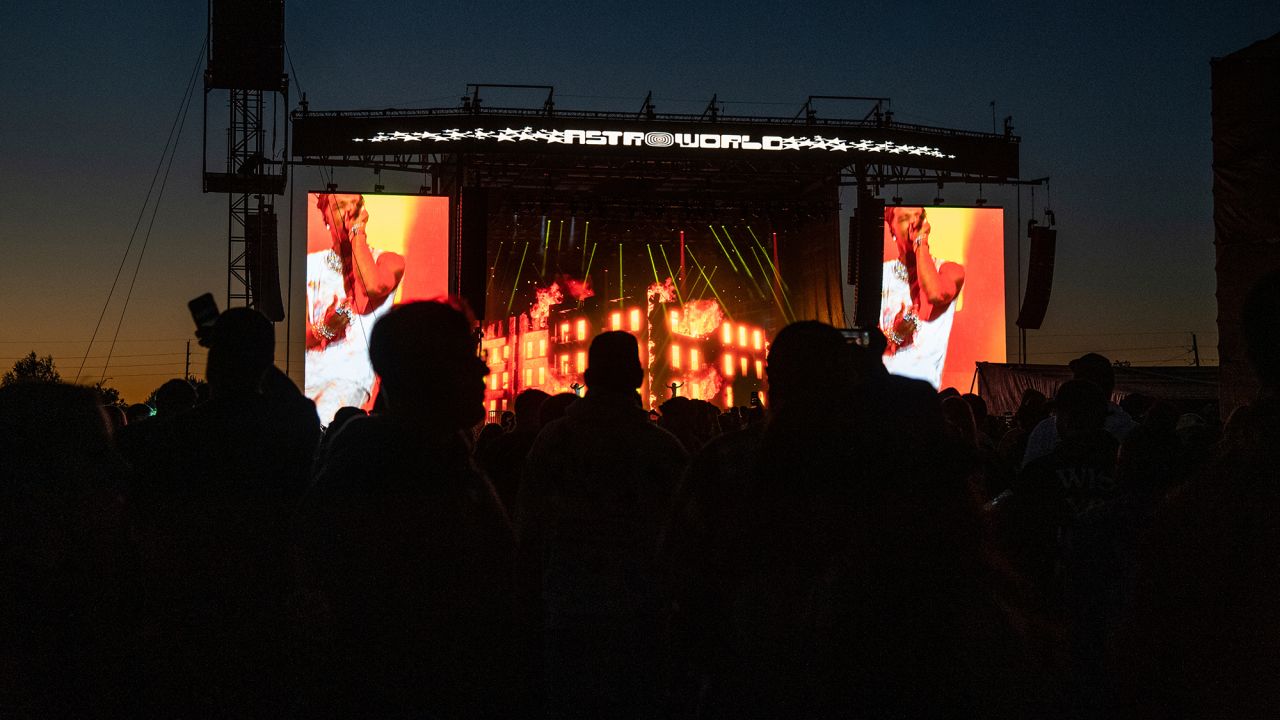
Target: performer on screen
349, 287
918, 296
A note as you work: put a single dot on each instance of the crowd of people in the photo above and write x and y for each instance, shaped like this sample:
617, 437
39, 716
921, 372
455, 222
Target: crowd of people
864, 548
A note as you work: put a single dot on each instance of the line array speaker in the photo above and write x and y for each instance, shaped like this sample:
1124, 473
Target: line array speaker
246, 44
866, 259
261, 258
473, 246
1035, 301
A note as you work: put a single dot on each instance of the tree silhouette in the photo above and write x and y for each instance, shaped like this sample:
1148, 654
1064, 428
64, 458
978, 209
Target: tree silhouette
32, 369
108, 395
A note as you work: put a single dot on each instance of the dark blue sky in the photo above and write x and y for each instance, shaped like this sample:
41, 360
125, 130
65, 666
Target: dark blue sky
1111, 100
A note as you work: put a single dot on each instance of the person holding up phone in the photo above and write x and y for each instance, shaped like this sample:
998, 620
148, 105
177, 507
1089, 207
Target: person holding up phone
349, 287
918, 295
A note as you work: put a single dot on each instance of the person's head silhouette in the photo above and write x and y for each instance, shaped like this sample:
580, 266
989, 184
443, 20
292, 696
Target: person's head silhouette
808, 361
528, 404
242, 346
1096, 369
613, 363
174, 396
1081, 407
425, 354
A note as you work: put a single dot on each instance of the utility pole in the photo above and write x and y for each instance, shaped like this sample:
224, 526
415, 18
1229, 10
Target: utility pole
186, 371
1195, 350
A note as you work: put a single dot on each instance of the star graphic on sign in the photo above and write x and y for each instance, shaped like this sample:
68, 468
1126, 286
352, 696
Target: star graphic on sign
508, 135
792, 143
555, 137
527, 134
837, 144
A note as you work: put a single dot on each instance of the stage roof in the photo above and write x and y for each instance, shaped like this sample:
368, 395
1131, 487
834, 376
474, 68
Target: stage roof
629, 145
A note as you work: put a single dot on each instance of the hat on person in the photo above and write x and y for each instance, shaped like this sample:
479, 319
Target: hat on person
1096, 369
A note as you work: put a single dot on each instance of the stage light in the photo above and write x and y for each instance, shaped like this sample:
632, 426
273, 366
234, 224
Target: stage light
331, 187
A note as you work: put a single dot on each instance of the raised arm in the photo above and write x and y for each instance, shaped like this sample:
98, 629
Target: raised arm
939, 285
374, 280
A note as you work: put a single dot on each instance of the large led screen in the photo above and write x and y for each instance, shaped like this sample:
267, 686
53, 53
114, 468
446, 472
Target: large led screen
942, 298
703, 293
365, 253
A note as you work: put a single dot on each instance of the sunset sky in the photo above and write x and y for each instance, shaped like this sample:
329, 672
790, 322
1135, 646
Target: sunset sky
1111, 100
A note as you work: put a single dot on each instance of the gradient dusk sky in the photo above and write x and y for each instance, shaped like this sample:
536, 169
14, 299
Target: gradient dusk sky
1111, 100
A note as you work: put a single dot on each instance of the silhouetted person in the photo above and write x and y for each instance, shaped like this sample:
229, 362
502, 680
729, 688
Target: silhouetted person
1137, 405
555, 407
989, 431
1097, 370
1032, 408
404, 547
961, 423
174, 396
834, 567
136, 413
487, 434
1062, 524
596, 491
216, 486
137, 438
1202, 640
343, 415
988, 474
66, 608
502, 459
688, 421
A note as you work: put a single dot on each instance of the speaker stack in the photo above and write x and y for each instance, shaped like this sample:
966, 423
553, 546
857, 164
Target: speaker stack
866, 259
261, 259
1035, 301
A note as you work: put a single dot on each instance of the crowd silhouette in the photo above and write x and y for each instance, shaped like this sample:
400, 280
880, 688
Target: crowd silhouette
864, 548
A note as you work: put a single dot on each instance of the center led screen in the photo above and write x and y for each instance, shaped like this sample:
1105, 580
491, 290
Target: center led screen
942, 292
702, 296
365, 253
